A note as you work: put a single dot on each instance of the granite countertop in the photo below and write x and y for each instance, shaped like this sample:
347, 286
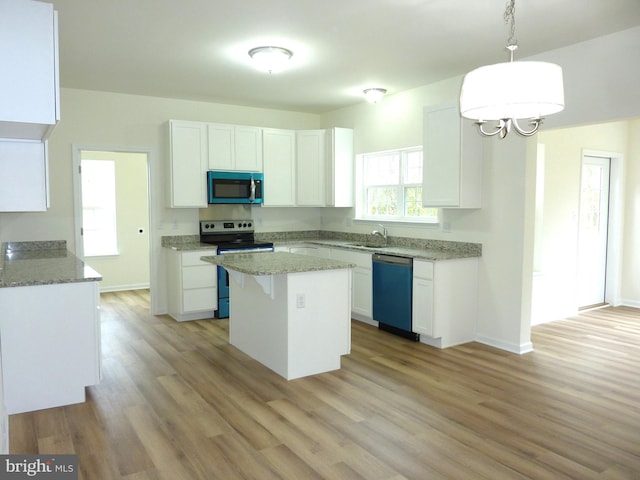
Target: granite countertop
431, 254
185, 243
274, 263
42, 263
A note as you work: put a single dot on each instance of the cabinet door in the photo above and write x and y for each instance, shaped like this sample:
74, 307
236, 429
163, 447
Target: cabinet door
248, 149
340, 167
278, 156
362, 292
28, 83
188, 162
362, 280
423, 307
221, 140
310, 167
23, 184
452, 159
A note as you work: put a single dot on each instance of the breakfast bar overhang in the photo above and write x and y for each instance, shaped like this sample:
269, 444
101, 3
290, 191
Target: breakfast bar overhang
288, 311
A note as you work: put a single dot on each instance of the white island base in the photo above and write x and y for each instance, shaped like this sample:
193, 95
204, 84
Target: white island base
297, 324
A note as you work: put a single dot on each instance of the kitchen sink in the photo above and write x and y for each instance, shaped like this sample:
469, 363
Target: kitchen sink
368, 245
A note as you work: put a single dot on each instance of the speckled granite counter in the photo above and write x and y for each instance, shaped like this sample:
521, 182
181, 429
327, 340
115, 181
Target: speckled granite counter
186, 243
410, 252
425, 249
42, 263
278, 263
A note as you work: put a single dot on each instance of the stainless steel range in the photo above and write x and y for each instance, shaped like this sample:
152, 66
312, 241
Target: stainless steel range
230, 236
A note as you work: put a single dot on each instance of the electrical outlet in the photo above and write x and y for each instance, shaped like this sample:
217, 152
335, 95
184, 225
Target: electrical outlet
300, 300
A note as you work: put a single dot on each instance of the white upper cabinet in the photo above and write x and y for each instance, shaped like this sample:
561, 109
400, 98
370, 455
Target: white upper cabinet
452, 159
24, 179
278, 154
311, 154
188, 164
235, 148
29, 89
339, 168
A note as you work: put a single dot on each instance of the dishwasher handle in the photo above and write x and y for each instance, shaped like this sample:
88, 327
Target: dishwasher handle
392, 259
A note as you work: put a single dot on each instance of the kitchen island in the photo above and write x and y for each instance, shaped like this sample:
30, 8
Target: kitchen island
290, 312
49, 324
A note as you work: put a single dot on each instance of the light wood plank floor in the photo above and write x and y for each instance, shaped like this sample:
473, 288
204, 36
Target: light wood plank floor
178, 402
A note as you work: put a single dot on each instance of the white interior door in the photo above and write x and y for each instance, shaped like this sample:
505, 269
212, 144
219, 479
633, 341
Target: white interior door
593, 231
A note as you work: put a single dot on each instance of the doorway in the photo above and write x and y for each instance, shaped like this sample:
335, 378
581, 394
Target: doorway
111, 196
593, 231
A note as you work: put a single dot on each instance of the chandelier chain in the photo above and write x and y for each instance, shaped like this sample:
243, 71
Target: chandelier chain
510, 18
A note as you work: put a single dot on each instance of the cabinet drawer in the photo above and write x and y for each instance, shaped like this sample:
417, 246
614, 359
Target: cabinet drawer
199, 277
423, 269
199, 299
193, 258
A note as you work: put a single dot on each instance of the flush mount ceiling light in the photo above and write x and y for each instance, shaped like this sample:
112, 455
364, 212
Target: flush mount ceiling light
505, 92
374, 95
270, 59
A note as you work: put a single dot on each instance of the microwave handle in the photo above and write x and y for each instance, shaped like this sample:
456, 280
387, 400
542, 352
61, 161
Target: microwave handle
252, 189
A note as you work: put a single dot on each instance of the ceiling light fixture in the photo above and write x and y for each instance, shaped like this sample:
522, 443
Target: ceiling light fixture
270, 59
505, 92
374, 95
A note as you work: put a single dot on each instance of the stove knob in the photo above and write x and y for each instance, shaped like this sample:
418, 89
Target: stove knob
249, 224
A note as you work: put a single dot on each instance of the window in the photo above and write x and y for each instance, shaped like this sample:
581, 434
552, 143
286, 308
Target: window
100, 236
391, 187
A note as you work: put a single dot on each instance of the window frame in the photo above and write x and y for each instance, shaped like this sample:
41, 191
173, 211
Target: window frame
401, 190
109, 229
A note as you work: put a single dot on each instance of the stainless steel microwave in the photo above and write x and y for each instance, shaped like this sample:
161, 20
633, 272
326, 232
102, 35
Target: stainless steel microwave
235, 187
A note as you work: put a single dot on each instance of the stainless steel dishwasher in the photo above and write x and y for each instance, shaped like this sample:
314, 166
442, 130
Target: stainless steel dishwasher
393, 294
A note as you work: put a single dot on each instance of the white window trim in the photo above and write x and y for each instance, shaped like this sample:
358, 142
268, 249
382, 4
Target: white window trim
360, 193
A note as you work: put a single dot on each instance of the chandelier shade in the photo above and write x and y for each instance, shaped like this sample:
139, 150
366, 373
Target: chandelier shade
512, 90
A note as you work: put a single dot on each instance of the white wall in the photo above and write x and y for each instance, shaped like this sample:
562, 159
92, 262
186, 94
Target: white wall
564, 148
630, 292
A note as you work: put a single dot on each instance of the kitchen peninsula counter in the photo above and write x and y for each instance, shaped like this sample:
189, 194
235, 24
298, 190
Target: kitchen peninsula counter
50, 326
42, 263
290, 312
278, 263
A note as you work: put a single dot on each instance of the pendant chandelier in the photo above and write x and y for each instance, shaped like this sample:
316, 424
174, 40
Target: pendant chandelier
506, 92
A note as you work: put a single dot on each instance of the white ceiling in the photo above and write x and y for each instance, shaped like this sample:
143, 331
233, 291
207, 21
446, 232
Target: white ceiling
197, 49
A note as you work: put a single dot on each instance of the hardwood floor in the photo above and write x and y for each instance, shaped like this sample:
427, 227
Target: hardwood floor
178, 402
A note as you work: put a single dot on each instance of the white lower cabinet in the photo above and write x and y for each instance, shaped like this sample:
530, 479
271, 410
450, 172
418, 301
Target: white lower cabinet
445, 301
361, 282
193, 285
50, 346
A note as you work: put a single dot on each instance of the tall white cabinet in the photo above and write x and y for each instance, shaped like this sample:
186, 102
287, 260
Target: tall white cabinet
279, 155
188, 163
452, 159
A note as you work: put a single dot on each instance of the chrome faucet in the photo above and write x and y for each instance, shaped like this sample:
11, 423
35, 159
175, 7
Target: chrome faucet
382, 233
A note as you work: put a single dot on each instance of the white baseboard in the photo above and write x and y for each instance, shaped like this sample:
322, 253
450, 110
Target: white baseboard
122, 288
509, 347
630, 303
